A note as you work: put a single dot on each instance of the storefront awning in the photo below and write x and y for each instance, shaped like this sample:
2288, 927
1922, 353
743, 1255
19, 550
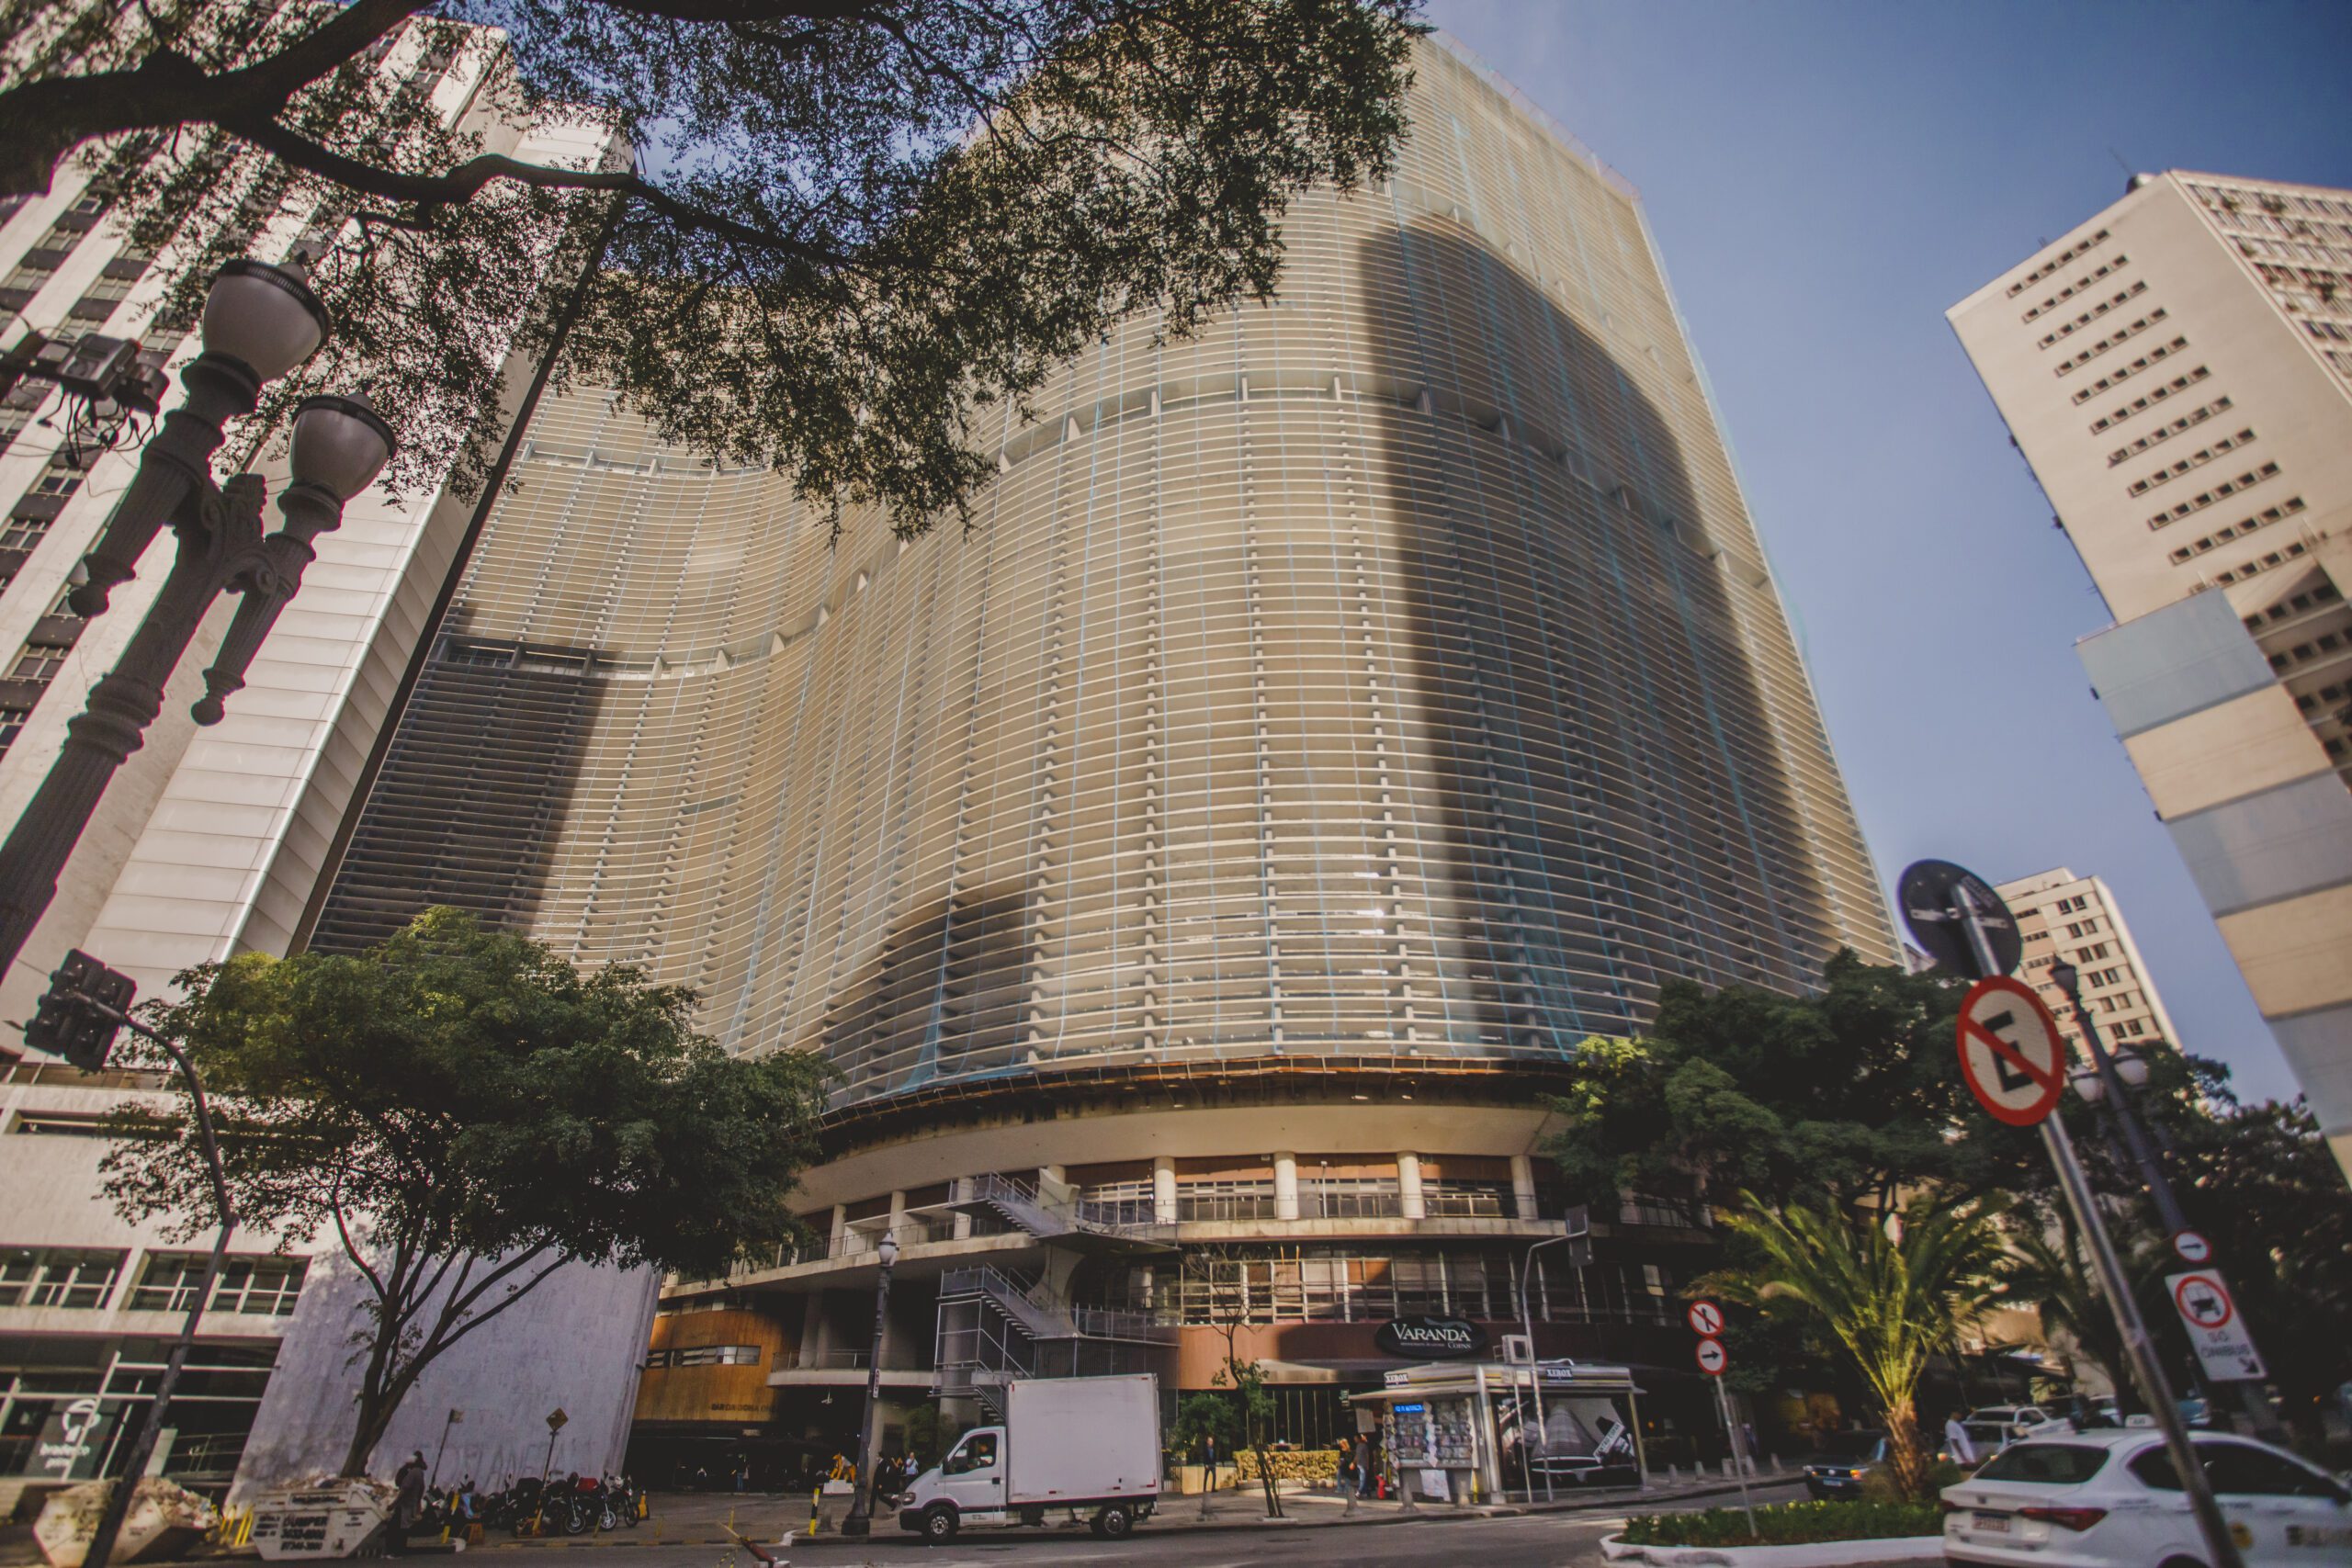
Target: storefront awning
1425, 1378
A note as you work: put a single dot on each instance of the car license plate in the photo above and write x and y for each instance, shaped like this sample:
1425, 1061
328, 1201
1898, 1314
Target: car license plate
1992, 1524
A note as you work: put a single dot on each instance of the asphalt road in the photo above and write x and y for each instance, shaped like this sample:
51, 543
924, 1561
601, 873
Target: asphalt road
1533, 1541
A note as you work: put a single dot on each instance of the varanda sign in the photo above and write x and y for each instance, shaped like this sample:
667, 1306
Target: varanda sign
1429, 1338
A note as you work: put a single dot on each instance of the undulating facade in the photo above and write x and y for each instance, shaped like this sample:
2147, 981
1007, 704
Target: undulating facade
1199, 867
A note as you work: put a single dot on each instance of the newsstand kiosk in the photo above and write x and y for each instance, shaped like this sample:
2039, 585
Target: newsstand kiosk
1471, 1432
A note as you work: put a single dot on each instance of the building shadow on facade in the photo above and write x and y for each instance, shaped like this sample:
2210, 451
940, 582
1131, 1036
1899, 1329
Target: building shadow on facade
467, 809
1611, 796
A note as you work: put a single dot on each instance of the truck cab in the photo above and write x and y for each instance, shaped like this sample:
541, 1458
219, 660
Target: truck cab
966, 1487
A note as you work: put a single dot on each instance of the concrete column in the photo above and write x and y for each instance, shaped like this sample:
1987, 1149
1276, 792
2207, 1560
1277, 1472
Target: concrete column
1522, 1187
958, 1191
1408, 1187
898, 1214
841, 1227
1286, 1186
1163, 1189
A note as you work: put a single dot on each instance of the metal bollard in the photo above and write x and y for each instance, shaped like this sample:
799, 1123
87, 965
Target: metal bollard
816, 1510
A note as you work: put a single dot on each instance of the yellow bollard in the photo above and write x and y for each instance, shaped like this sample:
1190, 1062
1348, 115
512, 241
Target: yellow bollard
816, 1508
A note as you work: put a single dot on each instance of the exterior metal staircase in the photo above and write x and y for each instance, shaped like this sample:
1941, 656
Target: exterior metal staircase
1053, 1211
995, 1325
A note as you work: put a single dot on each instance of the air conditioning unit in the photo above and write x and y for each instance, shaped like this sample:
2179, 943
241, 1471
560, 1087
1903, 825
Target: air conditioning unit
1519, 1350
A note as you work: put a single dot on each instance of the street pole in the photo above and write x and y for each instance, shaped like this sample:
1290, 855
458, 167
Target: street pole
2118, 1103
860, 1522
2137, 1345
1739, 1453
1535, 1364
150, 1424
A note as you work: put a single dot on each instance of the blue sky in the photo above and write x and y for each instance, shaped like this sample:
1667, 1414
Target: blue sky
1825, 180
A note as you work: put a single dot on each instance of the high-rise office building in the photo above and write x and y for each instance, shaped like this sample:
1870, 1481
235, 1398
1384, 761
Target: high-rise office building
1328, 723
2178, 372
206, 843
2061, 915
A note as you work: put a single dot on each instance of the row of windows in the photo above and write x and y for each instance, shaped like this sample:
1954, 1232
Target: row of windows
2320, 646
2068, 367
1328, 1285
2076, 287
2321, 593
2073, 906
65, 1277
2116, 378
2197, 459
2247, 570
2093, 314
2219, 492
2081, 248
2189, 421
705, 1356
2238, 530
2178, 385
2230, 198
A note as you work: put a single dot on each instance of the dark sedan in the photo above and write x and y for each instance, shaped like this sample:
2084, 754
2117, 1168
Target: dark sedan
1836, 1468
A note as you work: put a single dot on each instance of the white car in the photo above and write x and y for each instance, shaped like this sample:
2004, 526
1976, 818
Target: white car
2111, 1499
1995, 1426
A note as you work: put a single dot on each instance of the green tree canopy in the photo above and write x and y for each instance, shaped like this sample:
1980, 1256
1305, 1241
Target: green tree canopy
463, 1114
1844, 1097
853, 224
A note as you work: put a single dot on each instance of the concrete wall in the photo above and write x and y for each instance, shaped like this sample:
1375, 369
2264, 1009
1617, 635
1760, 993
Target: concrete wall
576, 1343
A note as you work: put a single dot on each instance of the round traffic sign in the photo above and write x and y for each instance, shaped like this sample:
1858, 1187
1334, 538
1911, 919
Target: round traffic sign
1712, 1360
2203, 1301
2010, 1051
2192, 1247
1706, 1317
1937, 897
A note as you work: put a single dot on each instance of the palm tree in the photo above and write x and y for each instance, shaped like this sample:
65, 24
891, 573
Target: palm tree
2050, 1273
1889, 1292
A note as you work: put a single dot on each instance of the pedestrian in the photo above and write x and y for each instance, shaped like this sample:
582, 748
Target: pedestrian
1360, 1461
1958, 1443
408, 1500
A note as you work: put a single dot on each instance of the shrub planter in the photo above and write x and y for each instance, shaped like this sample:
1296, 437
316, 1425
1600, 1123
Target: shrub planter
1809, 1554
1795, 1535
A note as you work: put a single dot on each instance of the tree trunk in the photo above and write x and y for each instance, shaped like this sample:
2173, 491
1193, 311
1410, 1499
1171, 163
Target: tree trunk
375, 1411
1266, 1479
1905, 1455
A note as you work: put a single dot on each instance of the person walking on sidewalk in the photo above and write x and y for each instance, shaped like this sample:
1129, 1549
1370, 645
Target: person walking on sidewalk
408, 1501
1360, 1461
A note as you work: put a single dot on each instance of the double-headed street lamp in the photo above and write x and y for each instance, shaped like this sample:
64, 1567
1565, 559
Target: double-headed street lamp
861, 1517
260, 322
2103, 1085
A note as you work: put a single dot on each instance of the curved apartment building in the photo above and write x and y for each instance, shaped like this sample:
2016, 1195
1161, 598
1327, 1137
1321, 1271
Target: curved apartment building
1198, 868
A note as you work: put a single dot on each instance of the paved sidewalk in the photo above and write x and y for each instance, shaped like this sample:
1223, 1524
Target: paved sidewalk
700, 1518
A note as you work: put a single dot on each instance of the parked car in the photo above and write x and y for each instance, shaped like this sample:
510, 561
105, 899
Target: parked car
2110, 1498
1841, 1461
1992, 1427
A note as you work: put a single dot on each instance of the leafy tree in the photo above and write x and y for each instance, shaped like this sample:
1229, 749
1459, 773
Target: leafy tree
1239, 1386
854, 226
1845, 1097
1889, 1300
2051, 1272
466, 1113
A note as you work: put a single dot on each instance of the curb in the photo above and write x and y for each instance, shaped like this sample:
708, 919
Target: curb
1165, 1523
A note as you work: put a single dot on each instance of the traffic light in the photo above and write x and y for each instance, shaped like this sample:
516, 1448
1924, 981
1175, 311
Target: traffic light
81, 1011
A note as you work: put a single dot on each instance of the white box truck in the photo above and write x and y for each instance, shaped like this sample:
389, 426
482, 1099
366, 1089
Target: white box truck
1090, 1445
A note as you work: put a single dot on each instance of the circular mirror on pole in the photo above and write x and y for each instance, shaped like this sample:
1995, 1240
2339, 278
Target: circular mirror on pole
264, 317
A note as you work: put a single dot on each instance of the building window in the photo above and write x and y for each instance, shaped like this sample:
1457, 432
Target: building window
706, 1356
1466, 1200
57, 1276
258, 1286
40, 662
12, 724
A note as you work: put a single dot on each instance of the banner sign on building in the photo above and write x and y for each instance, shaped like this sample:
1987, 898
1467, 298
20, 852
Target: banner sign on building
1429, 1338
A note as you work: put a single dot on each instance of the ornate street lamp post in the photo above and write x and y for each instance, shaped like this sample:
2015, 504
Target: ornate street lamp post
861, 1521
260, 322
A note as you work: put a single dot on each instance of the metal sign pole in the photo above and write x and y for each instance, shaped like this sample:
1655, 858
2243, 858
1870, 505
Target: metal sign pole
1739, 1453
2118, 1287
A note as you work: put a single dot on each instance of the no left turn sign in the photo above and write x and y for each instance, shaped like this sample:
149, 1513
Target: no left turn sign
1712, 1360
2010, 1051
1706, 1318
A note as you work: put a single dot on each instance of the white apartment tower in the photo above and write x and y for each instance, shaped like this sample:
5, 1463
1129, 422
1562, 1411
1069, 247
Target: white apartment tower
2178, 372
2061, 915
207, 843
